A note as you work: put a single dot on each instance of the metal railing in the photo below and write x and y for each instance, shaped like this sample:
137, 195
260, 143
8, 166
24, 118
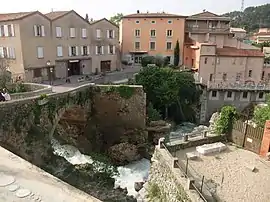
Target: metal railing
199, 29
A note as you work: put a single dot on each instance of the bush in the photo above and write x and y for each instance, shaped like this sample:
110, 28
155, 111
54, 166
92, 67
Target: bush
152, 113
148, 60
227, 117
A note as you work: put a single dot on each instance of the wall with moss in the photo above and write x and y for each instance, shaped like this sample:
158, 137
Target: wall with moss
165, 182
27, 125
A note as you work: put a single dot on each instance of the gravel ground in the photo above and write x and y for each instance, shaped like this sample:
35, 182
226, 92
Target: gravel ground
239, 184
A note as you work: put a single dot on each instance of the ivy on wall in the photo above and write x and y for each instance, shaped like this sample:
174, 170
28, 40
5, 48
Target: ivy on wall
227, 117
124, 91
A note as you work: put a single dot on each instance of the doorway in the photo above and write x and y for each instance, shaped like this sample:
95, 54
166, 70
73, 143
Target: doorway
74, 68
138, 59
105, 66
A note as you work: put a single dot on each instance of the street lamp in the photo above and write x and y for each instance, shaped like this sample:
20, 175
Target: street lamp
51, 70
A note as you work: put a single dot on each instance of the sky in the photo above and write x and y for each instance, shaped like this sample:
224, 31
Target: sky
97, 9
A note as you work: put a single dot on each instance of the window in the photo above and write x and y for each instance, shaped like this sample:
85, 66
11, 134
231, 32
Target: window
2, 30
10, 31
169, 33
137, 32
137, 21
72, 32
98, 32
205, 60
39, 30
169, 22
152, 45
262, 78
37, 73
99, 50
214, 93
211, 77
218, 60
73, 51
169, 46
40, 52
84, 33
229, 94
238, 76
84, 50
153, 22
111, 49
245, 94
261, 95
59, 51
110, 34
137, 45
234, 61
250, 73
58, 32
153, 33
224, 77
7, 52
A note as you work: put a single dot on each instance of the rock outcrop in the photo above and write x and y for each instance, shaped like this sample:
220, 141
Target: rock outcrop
124, 153
157, 129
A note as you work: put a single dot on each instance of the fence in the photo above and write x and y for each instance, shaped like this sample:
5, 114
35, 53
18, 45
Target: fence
247, 136
197, 182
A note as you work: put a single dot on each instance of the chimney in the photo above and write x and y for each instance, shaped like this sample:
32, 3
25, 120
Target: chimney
138, 11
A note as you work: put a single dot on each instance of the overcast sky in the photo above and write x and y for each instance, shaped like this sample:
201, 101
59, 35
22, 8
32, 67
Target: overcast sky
106, 8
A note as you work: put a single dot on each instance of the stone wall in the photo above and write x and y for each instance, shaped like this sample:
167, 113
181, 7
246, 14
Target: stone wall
34, 90
27, 125
166, 182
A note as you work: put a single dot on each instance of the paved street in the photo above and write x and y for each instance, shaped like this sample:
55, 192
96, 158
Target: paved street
61, 86
21, 181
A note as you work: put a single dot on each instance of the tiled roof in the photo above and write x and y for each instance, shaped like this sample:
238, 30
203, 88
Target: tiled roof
263, 34
231, 51
153, 15
14, 16
205, 14
56, 14
237, 29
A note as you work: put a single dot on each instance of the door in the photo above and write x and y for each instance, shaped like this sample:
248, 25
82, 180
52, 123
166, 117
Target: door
136, 60
105, 66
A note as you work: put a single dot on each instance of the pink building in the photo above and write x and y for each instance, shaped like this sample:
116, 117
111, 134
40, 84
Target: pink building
217, 54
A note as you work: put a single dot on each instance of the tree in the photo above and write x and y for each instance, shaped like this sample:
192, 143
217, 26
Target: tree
169, 91
5, 74
86, 17
148, 60
262, 113
176, 54
117, 18
226, 119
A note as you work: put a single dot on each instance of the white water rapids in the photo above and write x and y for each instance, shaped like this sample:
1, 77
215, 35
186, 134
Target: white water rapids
128, 175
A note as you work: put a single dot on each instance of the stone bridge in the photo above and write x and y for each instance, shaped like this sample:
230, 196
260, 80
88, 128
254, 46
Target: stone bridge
91, 117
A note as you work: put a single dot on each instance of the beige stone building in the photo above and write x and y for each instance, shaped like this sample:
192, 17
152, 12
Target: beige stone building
56, 45
219, 56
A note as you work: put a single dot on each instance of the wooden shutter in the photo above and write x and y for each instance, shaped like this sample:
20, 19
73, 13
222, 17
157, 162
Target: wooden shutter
108, 33
82, 50
113, 35
5, 30
1, 33
12, 30
88, 50
77, 50
96, 50
42, 30
69, 51
113, 49
35, 30
1, 52
109, 49
102, 50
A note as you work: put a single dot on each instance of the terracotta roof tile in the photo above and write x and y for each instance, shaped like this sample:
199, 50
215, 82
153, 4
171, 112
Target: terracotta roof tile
14, 16
231, 51
205, 14
153, 15
56, 14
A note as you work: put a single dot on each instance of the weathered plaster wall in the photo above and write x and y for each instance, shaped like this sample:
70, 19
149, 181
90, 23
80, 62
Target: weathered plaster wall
167, 183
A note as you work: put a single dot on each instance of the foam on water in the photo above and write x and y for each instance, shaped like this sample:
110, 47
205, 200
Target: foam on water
128, 175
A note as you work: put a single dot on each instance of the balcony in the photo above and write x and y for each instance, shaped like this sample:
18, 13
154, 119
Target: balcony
238, 86
207, 30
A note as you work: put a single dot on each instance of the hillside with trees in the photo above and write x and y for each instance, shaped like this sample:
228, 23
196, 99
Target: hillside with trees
252, 18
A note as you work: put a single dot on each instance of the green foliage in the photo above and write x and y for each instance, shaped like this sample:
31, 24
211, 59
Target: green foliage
117, 18
227, 117
155, 193
43, 96
262, 113
176, 54
17, 88
152, 113
252, 18
168, 89
148, 60
124, 91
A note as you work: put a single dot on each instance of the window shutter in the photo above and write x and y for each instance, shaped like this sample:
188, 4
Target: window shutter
113, 35
84, 33
69, 51
113, 49
1, 34
81, 50
13, 53
108, 33
102, 50
88, 50
98, 33
5, 30
8, 52
42, 30
35, 30
12, 30
96, 50
109, 49
77, 50
1, 52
